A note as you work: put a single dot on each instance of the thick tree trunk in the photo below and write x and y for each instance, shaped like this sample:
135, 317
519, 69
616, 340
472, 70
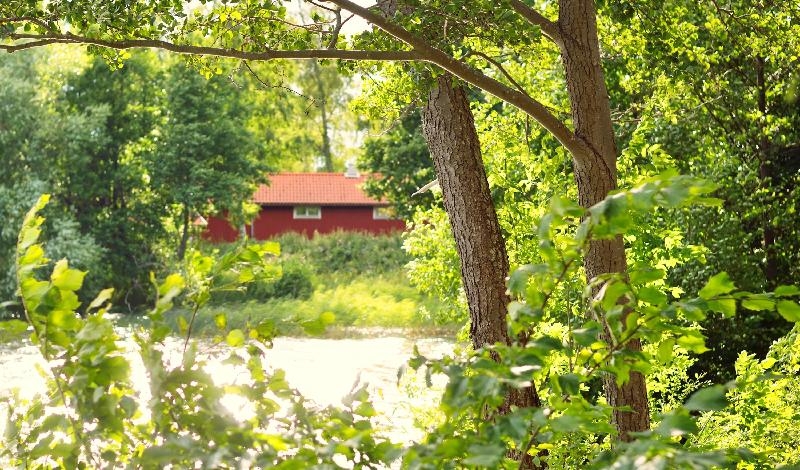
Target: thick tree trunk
449, 129
596, 175
453, 141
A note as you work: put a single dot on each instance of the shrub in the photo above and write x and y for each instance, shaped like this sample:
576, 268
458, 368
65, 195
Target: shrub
295, 281
345, 253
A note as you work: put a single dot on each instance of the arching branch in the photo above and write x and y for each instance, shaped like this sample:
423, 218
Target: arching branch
341, 54
421, 51
577, 147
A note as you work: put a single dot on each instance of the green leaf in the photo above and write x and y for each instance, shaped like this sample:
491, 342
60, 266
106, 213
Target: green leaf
221, 321
235, 338
587, 335
101, 298
518, 281
271, 248
327, 318
758, 303
171, 286
665, 349
183, 325
485, 455
34, 256
570, 383
643, 276
651, 295
786, 291
789, 310
65, 278
717, 285
708, 399
611, 292
727, 307
694, 342
365, 409
673, 425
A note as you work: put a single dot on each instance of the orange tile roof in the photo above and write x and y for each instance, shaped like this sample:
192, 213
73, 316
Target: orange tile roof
331, 189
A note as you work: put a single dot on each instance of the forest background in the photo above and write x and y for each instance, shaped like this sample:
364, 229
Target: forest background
706, 90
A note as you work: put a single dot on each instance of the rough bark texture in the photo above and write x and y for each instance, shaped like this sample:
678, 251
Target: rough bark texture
595, 174
449, 129
453, 141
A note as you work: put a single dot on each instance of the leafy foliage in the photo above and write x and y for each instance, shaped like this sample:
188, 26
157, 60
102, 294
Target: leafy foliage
343, 254
563, 362
400, 160
98, 419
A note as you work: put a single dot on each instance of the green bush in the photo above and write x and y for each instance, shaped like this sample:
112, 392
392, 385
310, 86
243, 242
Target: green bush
764, 406
345, 253
295, 282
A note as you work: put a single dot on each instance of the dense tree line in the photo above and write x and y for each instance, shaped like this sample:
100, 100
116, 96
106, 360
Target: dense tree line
133, 152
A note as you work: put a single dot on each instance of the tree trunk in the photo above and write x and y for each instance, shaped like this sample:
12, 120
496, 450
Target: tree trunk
765, 180
596, 175
184, 233
449, 129
323, 110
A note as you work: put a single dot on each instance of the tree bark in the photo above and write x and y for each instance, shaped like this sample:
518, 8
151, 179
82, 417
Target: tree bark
596, 175
450, 132
449, 129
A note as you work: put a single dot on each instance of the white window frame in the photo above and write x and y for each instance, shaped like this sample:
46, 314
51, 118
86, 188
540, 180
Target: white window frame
381, 213
302, 212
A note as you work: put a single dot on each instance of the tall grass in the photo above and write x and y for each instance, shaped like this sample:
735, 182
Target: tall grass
341, 284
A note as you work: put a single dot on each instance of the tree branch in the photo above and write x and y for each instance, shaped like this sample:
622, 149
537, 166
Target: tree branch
577, 147
421, 51
38, 40
27, 45
499, 67
549, 28
26, 19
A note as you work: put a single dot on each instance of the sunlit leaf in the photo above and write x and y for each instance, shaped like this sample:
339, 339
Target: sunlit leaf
235, 338
789, 310
717, 285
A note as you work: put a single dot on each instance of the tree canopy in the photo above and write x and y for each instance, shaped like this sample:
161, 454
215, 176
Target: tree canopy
573, 99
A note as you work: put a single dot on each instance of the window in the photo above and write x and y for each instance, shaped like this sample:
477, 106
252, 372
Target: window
382, 213
307, 212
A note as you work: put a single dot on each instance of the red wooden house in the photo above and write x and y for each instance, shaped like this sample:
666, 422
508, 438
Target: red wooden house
310, 203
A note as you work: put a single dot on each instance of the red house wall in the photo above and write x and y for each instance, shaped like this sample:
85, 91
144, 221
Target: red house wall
219, 230
275, 220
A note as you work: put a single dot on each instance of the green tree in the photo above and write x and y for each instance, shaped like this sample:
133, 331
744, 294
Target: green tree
723, 81
203, 158
401, 159
431, 38
38, 144
473, 41
103, 184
